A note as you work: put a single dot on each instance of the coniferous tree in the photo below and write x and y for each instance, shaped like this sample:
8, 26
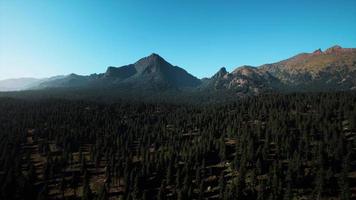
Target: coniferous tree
87, 193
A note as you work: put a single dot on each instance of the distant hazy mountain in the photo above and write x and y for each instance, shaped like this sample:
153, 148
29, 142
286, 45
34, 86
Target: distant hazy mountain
333, 69
18, 84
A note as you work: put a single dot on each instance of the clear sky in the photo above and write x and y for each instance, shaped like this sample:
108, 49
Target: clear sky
53, 37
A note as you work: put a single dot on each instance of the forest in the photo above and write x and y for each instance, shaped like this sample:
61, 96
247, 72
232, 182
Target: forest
271, 146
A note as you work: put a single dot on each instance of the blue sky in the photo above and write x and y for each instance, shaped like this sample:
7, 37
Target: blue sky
52, 37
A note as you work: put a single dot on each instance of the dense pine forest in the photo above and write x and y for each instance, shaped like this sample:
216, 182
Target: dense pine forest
292, 146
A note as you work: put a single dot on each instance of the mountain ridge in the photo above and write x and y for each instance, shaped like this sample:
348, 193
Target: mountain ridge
334, 68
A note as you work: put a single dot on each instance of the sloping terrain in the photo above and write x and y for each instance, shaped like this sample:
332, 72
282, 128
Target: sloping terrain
333, 69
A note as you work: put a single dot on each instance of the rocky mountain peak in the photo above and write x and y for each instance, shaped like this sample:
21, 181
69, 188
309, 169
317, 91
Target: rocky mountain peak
245, 70
334, 49
318, 52
151, 63
155, 58
221, 73
223, 70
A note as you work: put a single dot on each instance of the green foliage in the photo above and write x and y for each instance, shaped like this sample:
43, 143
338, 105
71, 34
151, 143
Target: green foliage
264, 147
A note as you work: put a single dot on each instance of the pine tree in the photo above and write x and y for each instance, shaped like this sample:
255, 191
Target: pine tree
221, 185
74, 183
43, 194
87, 193
161, 192
103, 194
63, 185
343, 179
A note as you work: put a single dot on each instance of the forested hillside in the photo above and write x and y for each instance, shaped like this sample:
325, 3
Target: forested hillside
296, 146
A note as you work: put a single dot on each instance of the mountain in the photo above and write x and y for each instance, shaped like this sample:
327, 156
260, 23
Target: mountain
333, 69
244, 79
19, 84
151, 72
155, 70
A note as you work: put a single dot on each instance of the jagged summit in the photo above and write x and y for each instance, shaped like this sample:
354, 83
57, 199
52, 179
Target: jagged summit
317, 52
223, 70
153, 57
221, 73
333, 49
152, 63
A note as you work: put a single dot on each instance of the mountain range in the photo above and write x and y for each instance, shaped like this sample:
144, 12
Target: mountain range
333, 69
